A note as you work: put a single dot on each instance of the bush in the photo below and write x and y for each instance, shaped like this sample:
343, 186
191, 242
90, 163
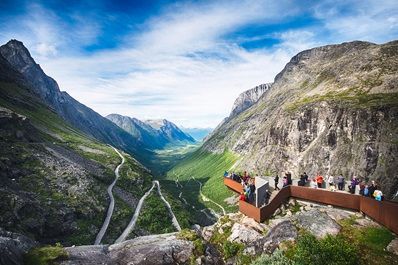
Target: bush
277, 258
187, 235
376, 238
45, 255
230, 249
199, 247
330, 250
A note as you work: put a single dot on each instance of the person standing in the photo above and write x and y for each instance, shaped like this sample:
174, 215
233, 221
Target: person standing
285, 183
331, 180
289, 178
305, 177
372, 187
276, 180
340, 182
313, 184
319, 180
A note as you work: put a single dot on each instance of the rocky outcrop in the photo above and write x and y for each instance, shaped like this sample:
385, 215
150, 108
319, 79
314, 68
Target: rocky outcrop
317, 223
332, 110
248, 98
157, 249
393, 246
154, 134
13, 246
283, 231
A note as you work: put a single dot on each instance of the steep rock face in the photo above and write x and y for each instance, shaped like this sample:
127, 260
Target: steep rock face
332, 109
249, 98
77, 114
13, 246
154, 134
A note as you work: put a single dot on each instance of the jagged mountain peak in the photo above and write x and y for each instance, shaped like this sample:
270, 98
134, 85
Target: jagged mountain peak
246, 99
16, 52
155, 134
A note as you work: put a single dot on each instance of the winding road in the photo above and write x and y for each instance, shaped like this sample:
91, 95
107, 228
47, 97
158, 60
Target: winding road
173, 217
111, 207
134, 219
206, 199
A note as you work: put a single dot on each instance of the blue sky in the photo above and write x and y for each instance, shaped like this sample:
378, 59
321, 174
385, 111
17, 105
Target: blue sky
186, 61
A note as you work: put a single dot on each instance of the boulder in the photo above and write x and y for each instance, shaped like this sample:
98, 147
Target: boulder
366, 222
283, 231
155, 249
292, 202
243, 234
251, 223
13, 246
317, 223
393, 246
339, 214
207, 232
251, 239
87, 255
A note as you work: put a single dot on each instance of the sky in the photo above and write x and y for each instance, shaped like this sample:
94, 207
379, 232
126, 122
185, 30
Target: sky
186, 61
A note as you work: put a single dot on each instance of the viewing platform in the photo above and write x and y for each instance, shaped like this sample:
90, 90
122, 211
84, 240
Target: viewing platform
383, 212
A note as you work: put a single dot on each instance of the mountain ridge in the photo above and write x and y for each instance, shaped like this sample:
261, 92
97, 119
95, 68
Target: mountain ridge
324, 100
77, 114
155, 134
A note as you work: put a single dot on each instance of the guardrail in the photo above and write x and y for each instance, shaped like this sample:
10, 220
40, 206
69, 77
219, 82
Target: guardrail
384, 212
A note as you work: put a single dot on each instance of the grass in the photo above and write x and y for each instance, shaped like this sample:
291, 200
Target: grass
209, 169
45, 255
168, 157
372, 241
350, 98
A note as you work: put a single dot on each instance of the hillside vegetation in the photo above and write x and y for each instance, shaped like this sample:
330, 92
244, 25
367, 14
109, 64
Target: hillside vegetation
207, 169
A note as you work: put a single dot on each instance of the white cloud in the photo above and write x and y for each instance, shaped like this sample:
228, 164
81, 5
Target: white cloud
181, 66
370, 20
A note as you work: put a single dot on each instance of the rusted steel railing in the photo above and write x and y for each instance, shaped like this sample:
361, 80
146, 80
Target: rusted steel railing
384, 212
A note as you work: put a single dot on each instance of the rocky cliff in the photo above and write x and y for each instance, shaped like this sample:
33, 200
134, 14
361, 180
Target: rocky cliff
17, 56
154, 134
249, 98
332, 109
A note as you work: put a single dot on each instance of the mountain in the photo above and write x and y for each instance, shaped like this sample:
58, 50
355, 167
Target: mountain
332, 109
170, 131
248, 98
53, 177
197, 133
56, 164
72, 111
155, 134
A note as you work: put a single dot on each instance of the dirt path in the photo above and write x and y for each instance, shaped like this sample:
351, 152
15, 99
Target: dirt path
111, 207
204, 198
